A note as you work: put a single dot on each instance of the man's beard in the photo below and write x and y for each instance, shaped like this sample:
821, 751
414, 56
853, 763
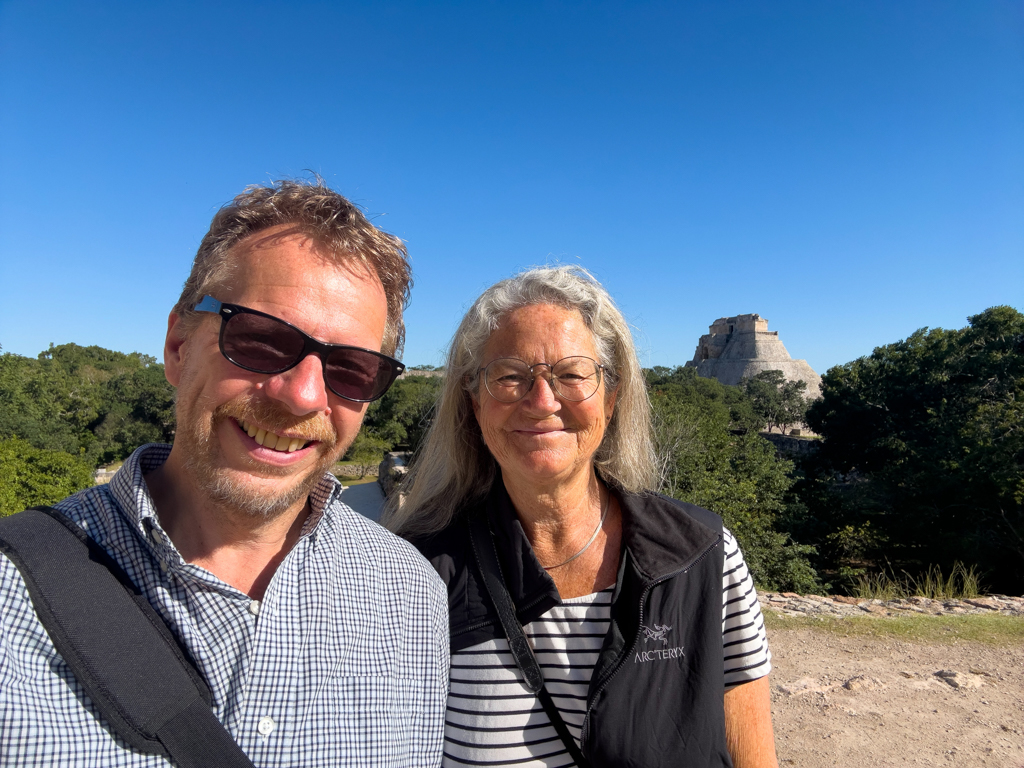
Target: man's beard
230, 488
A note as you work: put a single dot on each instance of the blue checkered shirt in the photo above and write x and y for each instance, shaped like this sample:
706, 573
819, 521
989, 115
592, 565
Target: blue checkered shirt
343, 663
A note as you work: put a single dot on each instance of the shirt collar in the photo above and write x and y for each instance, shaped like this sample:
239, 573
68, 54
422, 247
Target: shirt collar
131, 493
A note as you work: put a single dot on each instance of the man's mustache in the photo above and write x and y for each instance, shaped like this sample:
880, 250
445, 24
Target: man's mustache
313, 426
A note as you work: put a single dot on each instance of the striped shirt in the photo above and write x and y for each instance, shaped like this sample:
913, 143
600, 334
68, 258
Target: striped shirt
344, 662
492, 719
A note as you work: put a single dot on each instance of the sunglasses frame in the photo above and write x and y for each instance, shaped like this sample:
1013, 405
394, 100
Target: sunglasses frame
533, 378
310, 345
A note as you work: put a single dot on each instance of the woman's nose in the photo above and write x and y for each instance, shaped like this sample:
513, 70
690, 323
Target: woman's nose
542, 394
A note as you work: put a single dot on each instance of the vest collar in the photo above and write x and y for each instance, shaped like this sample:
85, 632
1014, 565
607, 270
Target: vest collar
659, 536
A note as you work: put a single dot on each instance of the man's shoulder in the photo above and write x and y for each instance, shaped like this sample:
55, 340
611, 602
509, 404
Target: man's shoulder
387, 554
91, 509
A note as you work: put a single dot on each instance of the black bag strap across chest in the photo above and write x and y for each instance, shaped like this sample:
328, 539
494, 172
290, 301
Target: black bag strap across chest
122, 652
490, 568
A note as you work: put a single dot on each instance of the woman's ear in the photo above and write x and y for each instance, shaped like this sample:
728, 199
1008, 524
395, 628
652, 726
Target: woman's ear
609, 403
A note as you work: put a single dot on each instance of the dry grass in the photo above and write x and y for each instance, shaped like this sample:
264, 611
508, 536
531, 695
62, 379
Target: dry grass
992, 629
962, 582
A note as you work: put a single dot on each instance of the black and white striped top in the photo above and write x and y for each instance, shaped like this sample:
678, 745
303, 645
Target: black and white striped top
493, 720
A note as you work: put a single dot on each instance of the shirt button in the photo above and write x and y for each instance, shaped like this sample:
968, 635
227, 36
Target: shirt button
254, 609
265, 726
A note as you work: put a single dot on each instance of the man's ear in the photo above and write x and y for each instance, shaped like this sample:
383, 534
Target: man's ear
174, 352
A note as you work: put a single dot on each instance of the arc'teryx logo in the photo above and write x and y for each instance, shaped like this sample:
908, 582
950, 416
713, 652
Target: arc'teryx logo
659, 632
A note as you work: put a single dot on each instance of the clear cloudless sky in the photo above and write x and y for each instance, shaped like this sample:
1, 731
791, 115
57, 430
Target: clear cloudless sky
850, 170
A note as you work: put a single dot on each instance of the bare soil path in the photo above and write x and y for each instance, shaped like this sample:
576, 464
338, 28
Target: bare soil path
866, 701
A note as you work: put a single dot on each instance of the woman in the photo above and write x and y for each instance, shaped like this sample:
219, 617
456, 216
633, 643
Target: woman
541, 444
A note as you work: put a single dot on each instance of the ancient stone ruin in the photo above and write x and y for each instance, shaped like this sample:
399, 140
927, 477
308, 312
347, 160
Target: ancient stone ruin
741, 347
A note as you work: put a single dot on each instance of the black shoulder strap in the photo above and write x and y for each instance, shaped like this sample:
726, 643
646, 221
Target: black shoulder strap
487, 560
120, 649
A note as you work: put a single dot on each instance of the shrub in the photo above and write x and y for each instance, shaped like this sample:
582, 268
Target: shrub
31, 476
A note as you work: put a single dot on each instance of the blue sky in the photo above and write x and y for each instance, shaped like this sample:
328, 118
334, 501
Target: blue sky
852, 171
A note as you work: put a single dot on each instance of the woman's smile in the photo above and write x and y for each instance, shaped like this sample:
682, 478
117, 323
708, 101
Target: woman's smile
542, 435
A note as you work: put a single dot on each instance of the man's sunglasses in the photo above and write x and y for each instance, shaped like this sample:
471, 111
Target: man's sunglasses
263, 343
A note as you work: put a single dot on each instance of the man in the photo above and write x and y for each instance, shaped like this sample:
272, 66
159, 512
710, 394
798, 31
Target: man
323, 638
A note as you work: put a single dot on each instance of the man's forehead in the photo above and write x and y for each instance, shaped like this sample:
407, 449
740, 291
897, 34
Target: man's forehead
335, 300
297, 252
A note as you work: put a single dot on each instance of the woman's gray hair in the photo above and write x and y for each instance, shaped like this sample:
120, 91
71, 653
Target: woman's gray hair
454, 467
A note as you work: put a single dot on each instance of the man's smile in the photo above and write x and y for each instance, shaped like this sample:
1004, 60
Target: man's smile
272, 440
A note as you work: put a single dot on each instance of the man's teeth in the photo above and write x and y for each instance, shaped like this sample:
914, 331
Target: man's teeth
270, 440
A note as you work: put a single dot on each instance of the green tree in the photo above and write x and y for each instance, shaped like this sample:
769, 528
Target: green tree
923, 458
87, 401
401, 418
710, 456
367, 451
682, 384
31, 476
779, 402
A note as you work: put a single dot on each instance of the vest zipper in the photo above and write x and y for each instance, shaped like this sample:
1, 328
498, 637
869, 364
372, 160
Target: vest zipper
639, 631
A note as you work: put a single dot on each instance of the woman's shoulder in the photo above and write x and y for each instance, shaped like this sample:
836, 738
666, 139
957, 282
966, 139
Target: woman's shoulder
448, 550
667, 510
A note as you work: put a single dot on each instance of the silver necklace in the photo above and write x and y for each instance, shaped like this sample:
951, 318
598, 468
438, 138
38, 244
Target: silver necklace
600, 525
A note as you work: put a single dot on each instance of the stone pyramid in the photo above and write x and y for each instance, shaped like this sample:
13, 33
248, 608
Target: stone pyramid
741, 347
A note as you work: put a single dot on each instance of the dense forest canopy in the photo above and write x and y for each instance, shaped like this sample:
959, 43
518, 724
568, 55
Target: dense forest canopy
923, 457
921, 462
90, 402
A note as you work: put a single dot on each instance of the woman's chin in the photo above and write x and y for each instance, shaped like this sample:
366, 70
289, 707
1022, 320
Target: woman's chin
540, 468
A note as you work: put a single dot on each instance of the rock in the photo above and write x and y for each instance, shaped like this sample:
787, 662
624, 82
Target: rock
863, 683
846, 600
957, 680
801, 686
841, 605
876, 609
983, 602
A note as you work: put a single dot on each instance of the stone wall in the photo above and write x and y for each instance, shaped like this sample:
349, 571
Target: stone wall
792, 446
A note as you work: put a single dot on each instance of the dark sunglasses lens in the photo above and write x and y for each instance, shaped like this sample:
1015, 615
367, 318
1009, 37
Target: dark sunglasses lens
261, 343
357, 375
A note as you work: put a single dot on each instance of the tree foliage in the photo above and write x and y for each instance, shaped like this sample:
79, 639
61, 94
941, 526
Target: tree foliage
712, 456
923, 458
367, 451
401, 418
31, 476
87, 401
778, 402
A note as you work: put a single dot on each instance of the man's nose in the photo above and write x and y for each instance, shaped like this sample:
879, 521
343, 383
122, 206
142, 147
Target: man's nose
300, 389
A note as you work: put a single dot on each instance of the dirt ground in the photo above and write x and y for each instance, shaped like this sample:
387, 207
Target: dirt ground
866, 702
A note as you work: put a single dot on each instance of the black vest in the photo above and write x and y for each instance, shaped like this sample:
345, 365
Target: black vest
656, 697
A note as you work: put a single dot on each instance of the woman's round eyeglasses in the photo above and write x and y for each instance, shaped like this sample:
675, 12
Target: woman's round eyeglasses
509, 379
